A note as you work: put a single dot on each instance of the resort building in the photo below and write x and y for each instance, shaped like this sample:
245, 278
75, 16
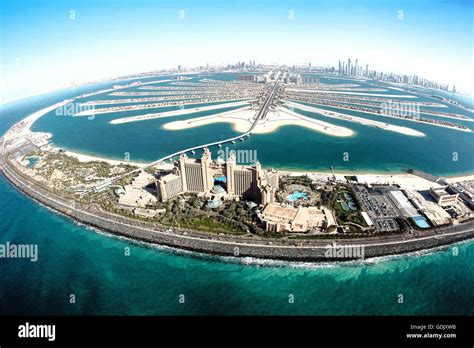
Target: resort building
169, 186
443, 197
218, 180
135, 194
406, 208
279, 218
465, 190
436, 214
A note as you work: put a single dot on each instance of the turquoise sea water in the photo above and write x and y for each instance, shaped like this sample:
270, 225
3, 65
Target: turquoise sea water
442, 151
93, 266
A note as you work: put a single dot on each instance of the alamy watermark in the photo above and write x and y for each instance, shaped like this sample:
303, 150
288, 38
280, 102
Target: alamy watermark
71, 109
28, 330
341, 251
20, 251
243, 156
398, 109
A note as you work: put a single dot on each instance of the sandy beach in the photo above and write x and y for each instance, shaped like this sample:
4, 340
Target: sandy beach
88, 158
167, 103
406, 181
118, 89
405, 119
361, 120
242, 120
176, 112
36, 115
452, 179
353, 93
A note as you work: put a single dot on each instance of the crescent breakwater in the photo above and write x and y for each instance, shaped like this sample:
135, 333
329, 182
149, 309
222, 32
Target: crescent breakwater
314, 248
234, 246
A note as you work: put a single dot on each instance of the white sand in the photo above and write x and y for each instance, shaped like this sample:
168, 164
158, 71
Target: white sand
23, 127
176, 112
396, 117
406, 181
164, 104
88, 158
242, 120
460, 178
283, 117
354, 93
354, 101
364, 121
119, 88
36, 115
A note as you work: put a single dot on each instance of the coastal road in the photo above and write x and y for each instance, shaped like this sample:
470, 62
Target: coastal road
228, 245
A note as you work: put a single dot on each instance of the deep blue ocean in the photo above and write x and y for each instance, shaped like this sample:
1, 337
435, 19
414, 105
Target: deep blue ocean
91, 265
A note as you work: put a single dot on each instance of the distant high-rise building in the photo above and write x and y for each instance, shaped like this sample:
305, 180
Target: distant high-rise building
354, 69
179, 67
309, 80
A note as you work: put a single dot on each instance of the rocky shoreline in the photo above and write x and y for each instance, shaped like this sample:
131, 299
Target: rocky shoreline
231, 246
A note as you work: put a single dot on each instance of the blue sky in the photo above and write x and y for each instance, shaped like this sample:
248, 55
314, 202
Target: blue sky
44, 46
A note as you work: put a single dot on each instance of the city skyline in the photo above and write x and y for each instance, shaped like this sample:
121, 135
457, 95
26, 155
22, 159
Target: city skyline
251, 158
432, 40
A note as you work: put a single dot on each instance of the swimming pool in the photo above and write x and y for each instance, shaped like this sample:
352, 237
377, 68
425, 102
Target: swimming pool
296, 195
32, 161
420, 221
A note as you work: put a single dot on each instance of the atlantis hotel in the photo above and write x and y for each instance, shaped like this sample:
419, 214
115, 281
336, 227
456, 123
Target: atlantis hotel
218, 180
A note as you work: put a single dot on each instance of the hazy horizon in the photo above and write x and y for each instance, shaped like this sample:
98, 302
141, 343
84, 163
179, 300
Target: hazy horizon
48, 46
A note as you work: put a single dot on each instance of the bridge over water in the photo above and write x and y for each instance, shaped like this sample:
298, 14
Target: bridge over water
260, 115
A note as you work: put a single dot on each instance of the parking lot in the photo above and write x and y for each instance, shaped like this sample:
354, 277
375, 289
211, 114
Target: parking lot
379, 208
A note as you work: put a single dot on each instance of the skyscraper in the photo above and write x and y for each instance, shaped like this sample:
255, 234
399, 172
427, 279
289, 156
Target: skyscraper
348, 72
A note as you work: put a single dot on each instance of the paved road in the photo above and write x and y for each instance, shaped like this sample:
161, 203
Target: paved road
467, 227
